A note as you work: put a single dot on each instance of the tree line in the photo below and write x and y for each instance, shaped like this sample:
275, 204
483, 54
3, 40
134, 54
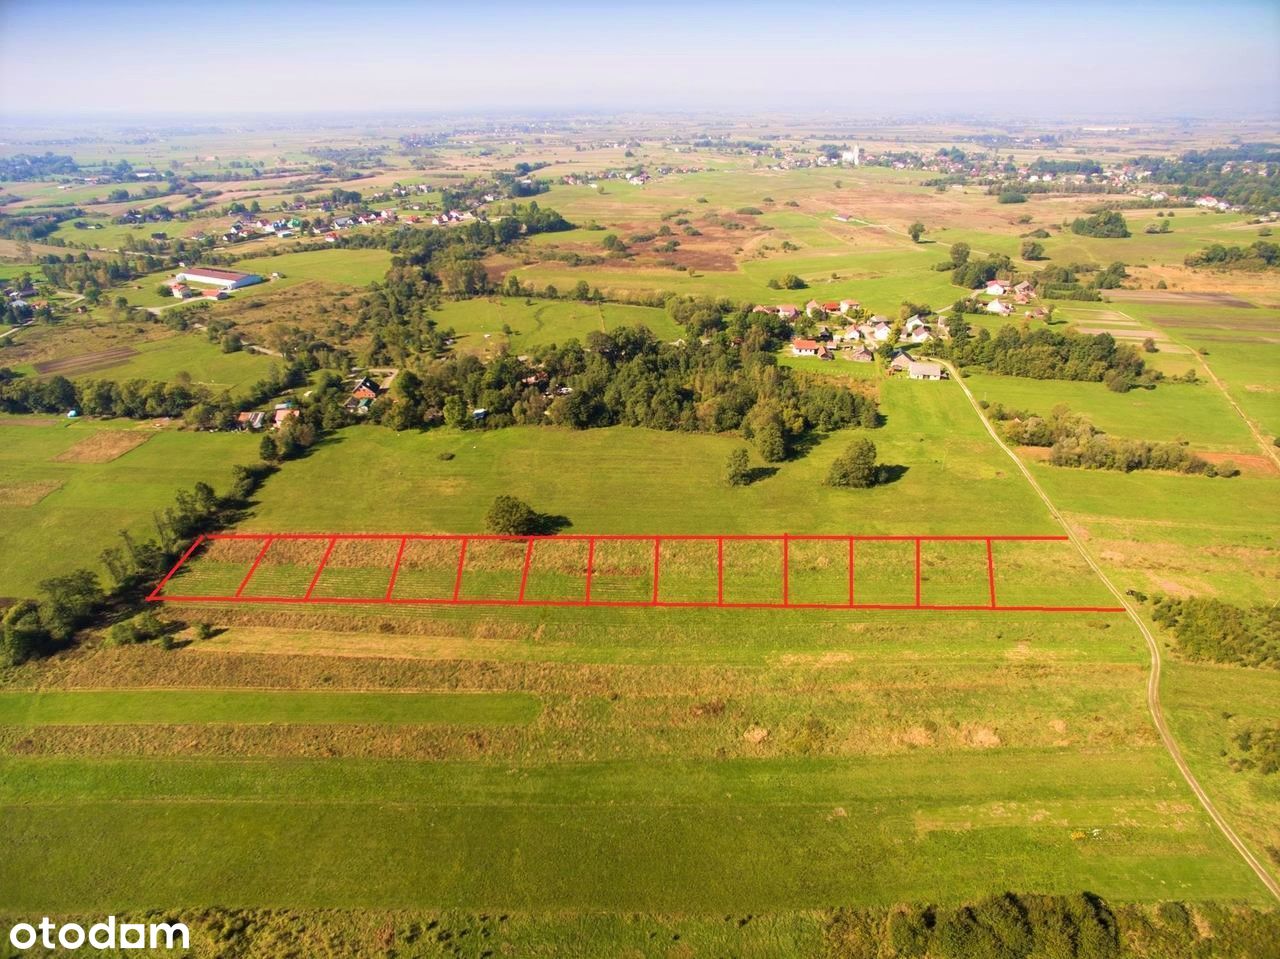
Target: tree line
1045, 354
1074, 441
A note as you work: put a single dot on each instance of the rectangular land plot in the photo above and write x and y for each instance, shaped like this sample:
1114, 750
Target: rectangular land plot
753, 571
428, 570
216, 567
492, 569
1046, 574
622, 571
884, 573
357, 569
557, 570
954, 573
819, 571
688, 571
285, 568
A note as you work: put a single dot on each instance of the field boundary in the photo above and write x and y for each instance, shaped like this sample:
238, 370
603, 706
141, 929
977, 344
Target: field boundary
456, 595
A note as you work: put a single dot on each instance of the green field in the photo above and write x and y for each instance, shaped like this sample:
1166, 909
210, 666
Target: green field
1198, 414
669, 482
479, 323
189, 353
58, 516
340, 267
106, 707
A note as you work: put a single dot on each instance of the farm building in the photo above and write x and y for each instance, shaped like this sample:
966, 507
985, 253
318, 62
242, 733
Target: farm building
861, 355
227, 279
805, 347
924, 371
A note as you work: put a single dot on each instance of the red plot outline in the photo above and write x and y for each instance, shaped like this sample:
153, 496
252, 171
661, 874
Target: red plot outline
464, 539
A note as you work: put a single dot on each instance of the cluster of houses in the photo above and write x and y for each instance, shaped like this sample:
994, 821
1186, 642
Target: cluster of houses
860, 337
1021, 294
256, 420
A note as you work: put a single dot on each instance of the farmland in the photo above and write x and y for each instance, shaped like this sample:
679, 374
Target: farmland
58, 512
668, 780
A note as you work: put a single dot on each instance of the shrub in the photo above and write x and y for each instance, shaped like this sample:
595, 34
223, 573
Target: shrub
509, 516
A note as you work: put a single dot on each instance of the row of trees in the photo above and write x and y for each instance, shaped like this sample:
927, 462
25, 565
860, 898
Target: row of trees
627, 377
1074, 441
72, 601
1045, 354
1257, 256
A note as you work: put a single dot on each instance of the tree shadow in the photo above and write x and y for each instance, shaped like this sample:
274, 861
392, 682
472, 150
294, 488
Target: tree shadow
758, 473
891, 473
548, 524
805, 443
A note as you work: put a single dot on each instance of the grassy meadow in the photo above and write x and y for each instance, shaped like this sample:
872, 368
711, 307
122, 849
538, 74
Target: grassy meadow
59, 508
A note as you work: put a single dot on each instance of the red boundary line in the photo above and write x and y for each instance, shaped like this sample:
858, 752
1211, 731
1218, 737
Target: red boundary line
464, 541
266, 544
991, 574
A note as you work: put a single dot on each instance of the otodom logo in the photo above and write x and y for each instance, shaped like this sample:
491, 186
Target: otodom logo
108, 934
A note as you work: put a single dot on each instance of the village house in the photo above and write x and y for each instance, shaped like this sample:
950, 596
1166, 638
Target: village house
924, 371
788, 311
812, 308
251, 420
861, 355
901, 361
282, 413
995, 288
999, 308
805, 347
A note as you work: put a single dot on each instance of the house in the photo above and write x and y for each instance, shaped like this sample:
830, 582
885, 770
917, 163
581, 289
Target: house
812, 308
788, 311
227, 279
251, 420
999, 308
995, 288
920, 334
1024, 289
805, 347
217, 293
852, 334
901, 361
881, 332
847, 305
366, 389
831, 306
862, 355
913, 323
764, 309
283, 412
924, 371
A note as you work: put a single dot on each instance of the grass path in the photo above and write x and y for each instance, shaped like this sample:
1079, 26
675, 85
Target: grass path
1153, 679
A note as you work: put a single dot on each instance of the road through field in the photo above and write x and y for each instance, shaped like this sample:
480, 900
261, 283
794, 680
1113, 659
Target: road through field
1153, 680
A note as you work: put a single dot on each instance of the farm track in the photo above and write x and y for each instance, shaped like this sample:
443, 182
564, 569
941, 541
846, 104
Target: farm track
1153, 679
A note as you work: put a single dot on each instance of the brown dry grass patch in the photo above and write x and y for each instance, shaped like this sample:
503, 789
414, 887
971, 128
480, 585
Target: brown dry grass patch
26, 494
103, 446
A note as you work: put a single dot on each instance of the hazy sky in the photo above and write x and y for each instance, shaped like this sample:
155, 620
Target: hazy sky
1041, 59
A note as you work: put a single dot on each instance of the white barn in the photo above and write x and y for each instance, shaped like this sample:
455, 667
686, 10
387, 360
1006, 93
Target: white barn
227, 279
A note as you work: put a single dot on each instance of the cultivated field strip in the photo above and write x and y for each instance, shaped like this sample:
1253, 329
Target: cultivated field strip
961, 573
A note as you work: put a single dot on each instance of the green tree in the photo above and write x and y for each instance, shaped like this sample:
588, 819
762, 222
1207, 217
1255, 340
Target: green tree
771, 442
455, 413
959, 254
916, 230
856, 467
737, 468
509, 516
268, 450
1031, 250
21, 633
69, 601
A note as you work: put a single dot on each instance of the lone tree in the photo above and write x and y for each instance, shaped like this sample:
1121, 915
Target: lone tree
509, 516
1031, 250
856, 467
737, 468
916, 230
